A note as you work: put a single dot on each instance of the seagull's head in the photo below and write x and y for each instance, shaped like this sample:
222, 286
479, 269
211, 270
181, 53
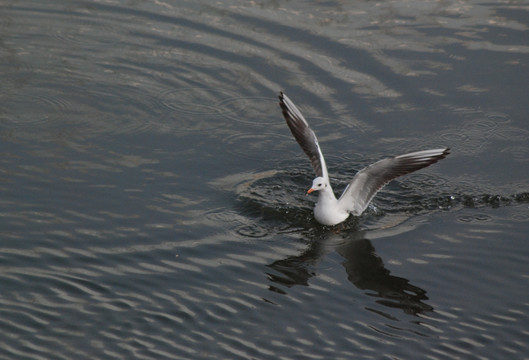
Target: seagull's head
318, 184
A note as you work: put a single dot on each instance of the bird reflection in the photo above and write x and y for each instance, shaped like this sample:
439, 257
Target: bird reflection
364, 268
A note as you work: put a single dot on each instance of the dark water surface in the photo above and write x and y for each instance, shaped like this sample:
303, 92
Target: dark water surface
153, 199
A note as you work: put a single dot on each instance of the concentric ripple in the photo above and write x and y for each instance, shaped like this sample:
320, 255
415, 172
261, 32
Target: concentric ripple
248, 110
194, 100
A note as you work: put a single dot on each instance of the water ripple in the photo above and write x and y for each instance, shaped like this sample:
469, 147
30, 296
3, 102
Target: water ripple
89, 30
247, 109
253, 231
198, 100
255, 146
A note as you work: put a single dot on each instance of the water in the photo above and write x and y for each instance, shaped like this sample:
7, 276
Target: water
153, 199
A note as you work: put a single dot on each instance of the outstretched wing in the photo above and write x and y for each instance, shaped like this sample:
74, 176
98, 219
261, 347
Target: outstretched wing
303, 135
368, 181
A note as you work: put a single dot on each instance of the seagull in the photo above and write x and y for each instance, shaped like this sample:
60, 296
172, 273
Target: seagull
364, 185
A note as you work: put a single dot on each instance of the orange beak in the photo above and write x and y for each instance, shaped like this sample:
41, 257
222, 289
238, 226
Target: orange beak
310, 190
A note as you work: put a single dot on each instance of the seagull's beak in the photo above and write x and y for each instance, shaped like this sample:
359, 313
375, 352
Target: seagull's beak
310, 190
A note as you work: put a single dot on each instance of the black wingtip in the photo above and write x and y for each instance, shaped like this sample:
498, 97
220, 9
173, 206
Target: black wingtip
284, 107
281, 94
444, 154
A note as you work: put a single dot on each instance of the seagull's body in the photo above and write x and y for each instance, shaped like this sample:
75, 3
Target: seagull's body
364, 185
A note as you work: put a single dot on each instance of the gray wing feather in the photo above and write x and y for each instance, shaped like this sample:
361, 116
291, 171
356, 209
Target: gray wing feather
368, 181
303, 135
